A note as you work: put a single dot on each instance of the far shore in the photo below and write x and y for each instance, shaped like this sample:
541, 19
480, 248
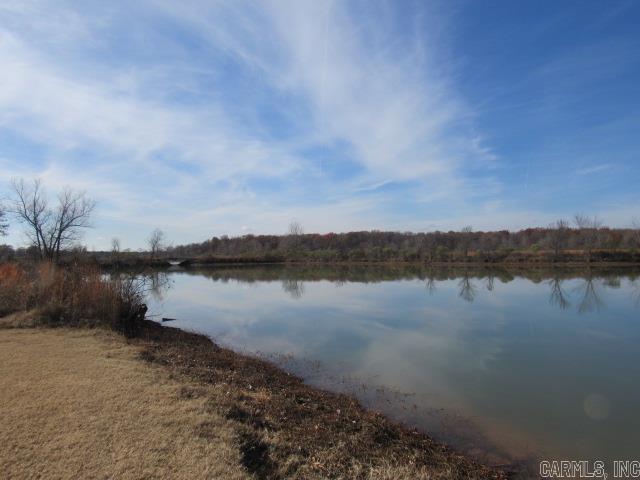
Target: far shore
462, 264
599, 258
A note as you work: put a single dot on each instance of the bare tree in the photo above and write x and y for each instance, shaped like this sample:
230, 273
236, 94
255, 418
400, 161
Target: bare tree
558, 232
295, 229
30, 208
294, 235
115, 245
156, 242
636, 233
3, 223
465, 239
589, 228
429, 245
51, 229
72, 215
115, 249
583, 221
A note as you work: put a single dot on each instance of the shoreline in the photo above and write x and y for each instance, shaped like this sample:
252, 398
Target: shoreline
391, 263
283, 427
491, 259
196, 263
314, 420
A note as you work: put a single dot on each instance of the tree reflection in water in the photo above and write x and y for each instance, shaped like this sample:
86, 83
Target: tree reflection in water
469, 280
635, 286
158, 284
612, 282
558, 297
293, 287
431, 284
590, 299
489, 281
467, 288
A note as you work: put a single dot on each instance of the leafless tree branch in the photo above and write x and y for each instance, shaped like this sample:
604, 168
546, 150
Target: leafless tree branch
51, 229
156, 242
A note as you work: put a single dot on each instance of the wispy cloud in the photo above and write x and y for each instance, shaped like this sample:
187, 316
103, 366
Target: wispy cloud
594, 169
218, 117
241, 93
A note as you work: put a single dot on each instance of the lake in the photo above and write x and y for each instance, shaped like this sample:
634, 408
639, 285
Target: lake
507, 364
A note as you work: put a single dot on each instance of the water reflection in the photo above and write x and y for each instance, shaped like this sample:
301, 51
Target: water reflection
489, 281
529, 357
558, 296
158, 284
467, 288
149, 283
431, 284
293, 287
587, 298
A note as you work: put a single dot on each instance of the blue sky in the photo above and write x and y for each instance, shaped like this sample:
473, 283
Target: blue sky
208, 118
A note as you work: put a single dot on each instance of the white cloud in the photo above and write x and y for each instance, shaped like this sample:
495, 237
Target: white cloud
594, 169
385, 97
110, 123
58, 110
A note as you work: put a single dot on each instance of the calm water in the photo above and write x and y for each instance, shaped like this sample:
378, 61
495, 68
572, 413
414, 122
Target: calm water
504, 364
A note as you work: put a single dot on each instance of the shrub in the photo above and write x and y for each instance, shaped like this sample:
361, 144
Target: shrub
78, 295
441, 252
14, 289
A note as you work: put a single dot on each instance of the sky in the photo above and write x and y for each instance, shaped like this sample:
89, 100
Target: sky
208, 118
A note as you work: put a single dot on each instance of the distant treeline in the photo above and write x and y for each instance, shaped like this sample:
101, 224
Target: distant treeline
55, 226
560, 243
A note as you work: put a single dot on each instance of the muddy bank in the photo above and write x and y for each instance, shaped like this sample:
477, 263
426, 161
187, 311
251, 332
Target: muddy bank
291, 430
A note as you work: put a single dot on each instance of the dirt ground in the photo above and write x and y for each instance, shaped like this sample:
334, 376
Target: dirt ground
80, 404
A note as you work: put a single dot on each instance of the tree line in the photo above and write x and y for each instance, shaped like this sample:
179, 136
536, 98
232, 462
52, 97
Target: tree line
584, 236
54, 227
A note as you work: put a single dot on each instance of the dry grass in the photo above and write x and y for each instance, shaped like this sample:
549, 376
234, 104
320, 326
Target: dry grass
72, 296
289, 430
28, 319
82, 403
79, 404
